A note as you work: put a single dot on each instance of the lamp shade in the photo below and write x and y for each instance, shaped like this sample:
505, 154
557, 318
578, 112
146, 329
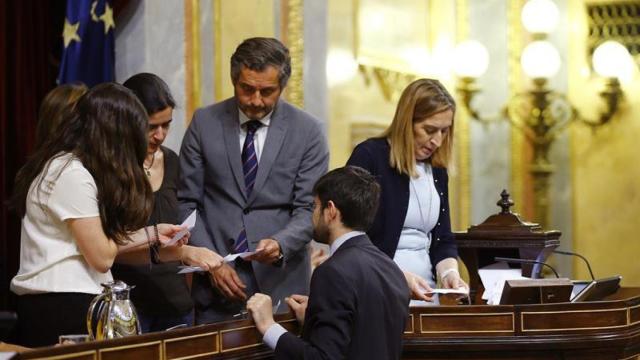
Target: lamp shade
611, 59
540, 16
340, 67
540, 59
470, 59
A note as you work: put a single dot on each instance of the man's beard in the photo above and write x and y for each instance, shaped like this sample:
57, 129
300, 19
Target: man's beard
321, 233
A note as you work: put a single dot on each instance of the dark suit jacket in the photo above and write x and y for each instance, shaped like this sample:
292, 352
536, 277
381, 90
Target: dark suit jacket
358, 307
373, 155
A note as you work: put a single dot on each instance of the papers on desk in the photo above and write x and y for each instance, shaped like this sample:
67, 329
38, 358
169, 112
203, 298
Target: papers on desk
493, 278
189, 223
434, 293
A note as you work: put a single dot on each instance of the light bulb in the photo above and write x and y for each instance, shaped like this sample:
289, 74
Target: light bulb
540, 59
540, 16
612, 60
341, 67
470, 59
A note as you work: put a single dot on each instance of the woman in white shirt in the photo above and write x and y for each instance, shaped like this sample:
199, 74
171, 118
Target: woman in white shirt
84, 200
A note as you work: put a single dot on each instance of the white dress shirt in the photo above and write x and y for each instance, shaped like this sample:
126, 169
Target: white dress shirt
259, 137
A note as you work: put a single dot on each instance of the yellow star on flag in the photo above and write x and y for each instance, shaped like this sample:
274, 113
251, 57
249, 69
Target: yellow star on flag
70, 32
107, 18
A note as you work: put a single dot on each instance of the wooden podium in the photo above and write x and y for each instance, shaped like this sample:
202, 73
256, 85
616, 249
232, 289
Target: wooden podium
600, 330
504, 234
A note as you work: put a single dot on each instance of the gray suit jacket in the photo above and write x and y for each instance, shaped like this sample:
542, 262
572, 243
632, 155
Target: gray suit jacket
294, 156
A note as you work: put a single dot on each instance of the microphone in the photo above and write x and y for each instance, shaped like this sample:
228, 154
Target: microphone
526, 261
562, 252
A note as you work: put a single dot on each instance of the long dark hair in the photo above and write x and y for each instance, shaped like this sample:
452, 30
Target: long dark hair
57, 107
108, 134
152, 91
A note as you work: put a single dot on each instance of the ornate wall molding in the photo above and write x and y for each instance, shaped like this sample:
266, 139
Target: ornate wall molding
293, 37
614, 20
192, 57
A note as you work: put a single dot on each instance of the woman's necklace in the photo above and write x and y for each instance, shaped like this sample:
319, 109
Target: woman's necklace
147, 170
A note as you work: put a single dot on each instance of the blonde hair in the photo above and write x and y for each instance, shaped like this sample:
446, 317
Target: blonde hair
423, 98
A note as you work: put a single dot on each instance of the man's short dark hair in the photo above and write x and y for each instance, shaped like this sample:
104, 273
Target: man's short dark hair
354, 192
257, 53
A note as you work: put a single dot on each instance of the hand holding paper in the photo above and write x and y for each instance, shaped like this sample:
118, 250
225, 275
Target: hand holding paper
188, 224
231, 257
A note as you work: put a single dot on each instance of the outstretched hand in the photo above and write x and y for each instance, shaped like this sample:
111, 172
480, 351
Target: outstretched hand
200, 256
418, 286
166, 232
226, 279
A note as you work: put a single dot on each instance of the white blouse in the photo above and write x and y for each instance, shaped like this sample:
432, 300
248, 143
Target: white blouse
50, 260
412, 253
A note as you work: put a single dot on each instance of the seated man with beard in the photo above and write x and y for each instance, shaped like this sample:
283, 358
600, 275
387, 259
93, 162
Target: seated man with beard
358, 303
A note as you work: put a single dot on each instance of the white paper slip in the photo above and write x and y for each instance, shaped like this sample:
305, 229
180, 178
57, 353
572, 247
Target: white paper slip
189, 223
189, 269
493, 278
461, 291
244, 255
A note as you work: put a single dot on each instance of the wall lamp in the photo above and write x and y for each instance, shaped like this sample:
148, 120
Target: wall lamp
540, 112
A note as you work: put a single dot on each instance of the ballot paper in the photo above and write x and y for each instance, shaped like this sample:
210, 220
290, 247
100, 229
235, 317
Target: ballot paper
189, 269
493, 278
189, 223
460, 290
243, 255
184, 269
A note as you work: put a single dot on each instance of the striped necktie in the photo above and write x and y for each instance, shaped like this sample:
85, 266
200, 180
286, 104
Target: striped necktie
250, 170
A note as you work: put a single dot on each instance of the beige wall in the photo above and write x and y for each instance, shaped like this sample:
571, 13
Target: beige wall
606, 172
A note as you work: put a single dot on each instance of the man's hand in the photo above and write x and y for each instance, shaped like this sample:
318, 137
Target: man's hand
225, 279
418, 286
298, 303
261, 310
267, 252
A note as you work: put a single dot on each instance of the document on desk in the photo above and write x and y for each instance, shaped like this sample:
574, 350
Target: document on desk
493, 278
189, 223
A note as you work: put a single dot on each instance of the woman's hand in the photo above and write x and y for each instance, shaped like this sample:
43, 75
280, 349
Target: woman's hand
166, 232
418, 286
452, 280
200, 256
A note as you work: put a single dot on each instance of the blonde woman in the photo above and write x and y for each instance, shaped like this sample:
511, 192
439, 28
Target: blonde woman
410, 160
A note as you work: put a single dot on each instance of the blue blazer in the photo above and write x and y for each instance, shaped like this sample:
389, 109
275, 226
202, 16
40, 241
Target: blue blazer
373, 155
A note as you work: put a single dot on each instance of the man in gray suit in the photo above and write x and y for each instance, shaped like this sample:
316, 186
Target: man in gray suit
248, 165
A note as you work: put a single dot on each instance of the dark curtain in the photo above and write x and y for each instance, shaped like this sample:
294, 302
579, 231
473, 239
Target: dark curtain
30, 45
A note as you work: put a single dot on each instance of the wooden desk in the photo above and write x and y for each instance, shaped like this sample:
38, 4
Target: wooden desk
598, 330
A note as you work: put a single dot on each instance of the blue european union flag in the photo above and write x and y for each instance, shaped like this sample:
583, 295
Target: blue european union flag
88, 54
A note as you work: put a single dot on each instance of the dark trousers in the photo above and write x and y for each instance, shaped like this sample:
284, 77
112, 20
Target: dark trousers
44, 317
211, 305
